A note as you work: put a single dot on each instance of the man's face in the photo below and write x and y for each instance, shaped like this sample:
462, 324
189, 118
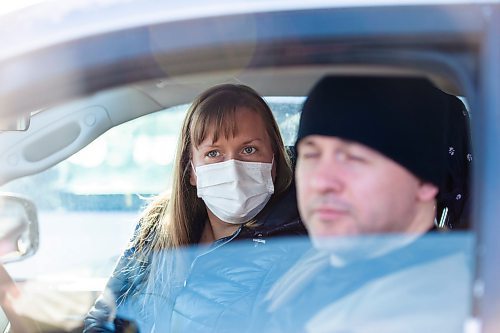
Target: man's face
345, 189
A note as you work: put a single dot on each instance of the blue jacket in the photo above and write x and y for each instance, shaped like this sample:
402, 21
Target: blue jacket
214, 292
423, 286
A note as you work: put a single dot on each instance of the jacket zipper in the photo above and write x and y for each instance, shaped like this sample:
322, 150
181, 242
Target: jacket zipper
211, 250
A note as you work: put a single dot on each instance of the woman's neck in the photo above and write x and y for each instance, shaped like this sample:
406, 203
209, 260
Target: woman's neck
216, 229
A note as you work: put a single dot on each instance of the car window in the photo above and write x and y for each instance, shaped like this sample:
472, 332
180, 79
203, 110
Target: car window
89, 204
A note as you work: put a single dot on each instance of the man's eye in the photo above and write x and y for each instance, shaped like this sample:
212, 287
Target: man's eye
343, 156
356, 158
213, 154
309, 154
249, 150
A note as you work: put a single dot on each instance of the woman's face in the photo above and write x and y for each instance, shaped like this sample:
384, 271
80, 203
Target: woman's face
251, 143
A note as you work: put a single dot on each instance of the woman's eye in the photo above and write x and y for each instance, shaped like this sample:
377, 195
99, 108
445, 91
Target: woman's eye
213, 154
249, 150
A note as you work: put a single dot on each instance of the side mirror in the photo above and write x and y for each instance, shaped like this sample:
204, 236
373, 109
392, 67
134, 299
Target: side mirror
18, 228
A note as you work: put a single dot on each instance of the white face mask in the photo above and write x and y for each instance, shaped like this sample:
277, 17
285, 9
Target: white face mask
235, 191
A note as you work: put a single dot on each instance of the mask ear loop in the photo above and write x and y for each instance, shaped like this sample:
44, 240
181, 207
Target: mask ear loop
192, 166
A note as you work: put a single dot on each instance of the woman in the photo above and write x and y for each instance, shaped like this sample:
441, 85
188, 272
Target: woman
231, 182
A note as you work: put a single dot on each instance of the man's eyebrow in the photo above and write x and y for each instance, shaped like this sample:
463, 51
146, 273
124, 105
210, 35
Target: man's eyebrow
308, 142
360, 144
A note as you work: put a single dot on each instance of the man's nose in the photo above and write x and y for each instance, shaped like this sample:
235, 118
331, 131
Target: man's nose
327, 176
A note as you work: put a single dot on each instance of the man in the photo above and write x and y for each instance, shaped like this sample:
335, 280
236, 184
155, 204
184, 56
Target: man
373, 157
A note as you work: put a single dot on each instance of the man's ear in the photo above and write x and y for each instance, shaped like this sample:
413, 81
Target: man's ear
427, 192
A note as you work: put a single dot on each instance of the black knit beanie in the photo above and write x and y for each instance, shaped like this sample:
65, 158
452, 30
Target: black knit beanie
453, 198
402, 118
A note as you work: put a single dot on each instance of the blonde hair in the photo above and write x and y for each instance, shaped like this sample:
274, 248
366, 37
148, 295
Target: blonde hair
177, 220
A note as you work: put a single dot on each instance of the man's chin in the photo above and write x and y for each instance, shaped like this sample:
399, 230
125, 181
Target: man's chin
321, 228
344, 248
333, 236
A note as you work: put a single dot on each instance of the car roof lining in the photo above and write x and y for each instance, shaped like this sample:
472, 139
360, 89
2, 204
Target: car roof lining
30, 152
295, 81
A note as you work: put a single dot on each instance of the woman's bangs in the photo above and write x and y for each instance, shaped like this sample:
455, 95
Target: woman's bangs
220, 121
